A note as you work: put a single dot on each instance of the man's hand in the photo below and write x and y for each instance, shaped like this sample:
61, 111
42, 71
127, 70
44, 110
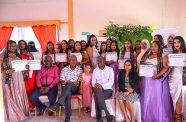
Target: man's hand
46, 89
77, 83
99, 86
42, 90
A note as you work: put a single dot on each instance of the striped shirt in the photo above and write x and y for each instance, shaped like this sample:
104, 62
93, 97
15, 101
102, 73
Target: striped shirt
67, 74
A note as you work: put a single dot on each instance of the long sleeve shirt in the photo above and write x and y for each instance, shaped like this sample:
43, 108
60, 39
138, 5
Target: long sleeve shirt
104, 77
47, 76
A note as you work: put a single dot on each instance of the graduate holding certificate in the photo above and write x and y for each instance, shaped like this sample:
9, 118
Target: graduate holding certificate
176, 78
49, 51
15, 97
64, 50
81, 56
26, 55
128, 52
155, 97
113, 62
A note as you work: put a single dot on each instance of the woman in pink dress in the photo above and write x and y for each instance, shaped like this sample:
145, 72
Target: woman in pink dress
14, 93
86, 88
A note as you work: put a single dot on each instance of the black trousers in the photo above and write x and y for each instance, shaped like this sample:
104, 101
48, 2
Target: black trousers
52, 94
100, 96
65, 97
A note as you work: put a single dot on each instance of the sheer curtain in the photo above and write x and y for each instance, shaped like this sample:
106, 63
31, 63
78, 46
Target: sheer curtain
25, 33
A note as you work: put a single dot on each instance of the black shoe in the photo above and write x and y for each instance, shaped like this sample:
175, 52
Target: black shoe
110, 118
100, 120
54, 108
40, 112
67, 119
50, 113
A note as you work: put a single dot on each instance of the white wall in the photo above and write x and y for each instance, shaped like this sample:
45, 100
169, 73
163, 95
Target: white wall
93, 15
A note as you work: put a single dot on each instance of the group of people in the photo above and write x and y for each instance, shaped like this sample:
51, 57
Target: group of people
95, 77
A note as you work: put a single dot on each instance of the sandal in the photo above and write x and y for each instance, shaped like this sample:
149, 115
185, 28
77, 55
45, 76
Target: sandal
179, 117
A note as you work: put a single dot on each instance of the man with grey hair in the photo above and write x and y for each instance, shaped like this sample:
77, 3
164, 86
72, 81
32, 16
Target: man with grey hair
70, 80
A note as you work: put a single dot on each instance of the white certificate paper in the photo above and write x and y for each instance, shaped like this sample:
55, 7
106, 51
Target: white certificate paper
53, 60
34, 64
146, 70
37, 55
111, 56
177, 59
61, 57
167, 51
78, 55
19, 65
121, 63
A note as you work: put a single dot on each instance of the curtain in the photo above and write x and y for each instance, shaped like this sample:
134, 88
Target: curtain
45, 34
5, 33
25, 33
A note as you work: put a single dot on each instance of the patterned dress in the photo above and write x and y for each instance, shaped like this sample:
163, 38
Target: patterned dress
15, 97
132, 97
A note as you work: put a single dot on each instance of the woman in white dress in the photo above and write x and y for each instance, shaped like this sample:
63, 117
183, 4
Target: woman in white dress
176, 80
92, 51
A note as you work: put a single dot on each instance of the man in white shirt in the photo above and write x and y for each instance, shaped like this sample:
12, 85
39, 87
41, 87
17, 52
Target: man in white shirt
102, 81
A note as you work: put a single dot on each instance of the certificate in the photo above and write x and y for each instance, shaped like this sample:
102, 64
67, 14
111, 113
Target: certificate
146, 70
111, 56
78, 56
121, 63
53, 60
167, 51
176, 59
19, 65
37, 55
34, 64
61, 57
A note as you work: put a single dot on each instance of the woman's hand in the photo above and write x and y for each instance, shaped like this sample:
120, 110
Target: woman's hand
27, 67
130, 90
10, 71
125, 94
30, 55
155, 77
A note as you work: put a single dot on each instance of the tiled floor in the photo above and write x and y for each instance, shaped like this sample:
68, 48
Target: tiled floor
84, 117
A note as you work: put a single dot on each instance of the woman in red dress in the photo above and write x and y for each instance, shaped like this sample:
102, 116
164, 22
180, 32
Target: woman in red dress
30, 83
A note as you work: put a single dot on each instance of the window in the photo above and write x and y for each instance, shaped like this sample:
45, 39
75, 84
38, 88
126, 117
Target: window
24, 33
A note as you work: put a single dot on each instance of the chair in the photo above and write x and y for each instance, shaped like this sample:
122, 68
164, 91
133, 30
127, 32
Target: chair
137, 111
45, 101
79, 98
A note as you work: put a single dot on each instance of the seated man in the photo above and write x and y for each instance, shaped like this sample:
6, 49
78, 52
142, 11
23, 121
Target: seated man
46, 81
70, 79
102, 81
